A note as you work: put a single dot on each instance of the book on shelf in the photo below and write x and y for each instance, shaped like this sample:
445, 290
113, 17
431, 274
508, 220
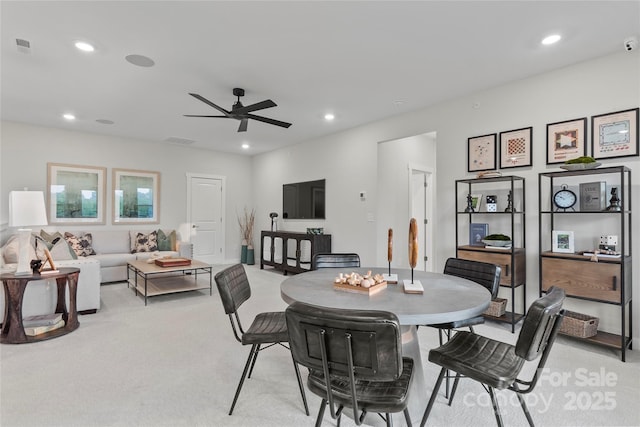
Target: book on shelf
41, 320
37, 330
477, 232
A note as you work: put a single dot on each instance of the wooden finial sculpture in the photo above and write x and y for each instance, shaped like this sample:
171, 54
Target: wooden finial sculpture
413, 245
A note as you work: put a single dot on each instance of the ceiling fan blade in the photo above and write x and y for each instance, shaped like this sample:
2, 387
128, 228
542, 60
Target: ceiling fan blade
268, 120
206, 101
243, 125
254, 107
194, 115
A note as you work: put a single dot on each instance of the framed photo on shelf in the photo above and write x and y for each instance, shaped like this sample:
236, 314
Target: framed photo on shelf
562, 242
615, 134
136, 197
515, 148
476, 201
477, 232
566, 140
76, 194
481, 153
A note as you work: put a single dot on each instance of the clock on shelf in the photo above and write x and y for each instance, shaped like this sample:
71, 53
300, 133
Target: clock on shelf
564, 199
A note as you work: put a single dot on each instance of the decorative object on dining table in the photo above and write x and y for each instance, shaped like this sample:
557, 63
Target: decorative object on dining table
172, 262
273, 216
614, 201
35, 265
411, 286
388, 277
509, 207
368, 283
593, 196
492, 203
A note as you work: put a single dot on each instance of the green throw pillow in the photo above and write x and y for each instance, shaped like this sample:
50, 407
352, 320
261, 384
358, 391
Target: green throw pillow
166, 242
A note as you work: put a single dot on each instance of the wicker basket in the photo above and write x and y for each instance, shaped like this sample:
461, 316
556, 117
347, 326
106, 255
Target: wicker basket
497, 307
579, 325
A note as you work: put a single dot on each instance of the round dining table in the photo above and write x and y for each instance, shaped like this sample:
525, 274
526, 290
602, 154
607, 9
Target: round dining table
446, 298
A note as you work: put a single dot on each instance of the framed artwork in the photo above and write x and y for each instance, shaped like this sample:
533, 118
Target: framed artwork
566, 140
515, 148
476, 200
562, 241
76, 194
136, 197
614, 134
481, 153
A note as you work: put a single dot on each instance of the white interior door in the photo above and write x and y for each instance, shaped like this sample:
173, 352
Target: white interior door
205, 212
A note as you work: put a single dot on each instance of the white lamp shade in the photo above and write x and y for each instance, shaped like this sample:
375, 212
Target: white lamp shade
27, 208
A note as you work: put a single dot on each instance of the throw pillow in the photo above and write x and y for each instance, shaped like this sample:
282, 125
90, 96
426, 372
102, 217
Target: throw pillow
166, 241
61, 251
51, 237
81, 245
146, 242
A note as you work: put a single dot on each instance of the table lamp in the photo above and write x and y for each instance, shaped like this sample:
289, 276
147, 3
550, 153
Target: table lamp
26, 208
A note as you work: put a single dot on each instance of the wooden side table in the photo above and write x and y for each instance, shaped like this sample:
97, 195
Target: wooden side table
14, 287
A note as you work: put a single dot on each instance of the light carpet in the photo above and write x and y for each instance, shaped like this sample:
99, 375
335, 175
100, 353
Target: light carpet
175, 362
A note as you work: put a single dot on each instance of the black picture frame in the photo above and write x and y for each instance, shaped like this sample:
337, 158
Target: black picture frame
481, 153
608, 137
566, 140
516, 148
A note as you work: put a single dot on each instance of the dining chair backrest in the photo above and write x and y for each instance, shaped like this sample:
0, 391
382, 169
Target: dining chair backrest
483, 273
540, 325
233, 286
335, 260
363, 344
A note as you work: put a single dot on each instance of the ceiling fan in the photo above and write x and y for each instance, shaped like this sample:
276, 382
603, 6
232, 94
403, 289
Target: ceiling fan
240, 112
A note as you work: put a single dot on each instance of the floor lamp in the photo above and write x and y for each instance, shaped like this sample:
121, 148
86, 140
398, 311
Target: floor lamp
26, 208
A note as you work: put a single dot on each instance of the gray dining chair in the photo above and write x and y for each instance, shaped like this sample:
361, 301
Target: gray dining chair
485, 274
354, 359
497, 365
335, 260
267, 329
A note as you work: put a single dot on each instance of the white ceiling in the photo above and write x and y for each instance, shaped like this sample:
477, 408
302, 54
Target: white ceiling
361, 60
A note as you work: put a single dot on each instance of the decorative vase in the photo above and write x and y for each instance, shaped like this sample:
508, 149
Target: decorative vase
250, 256
243, 254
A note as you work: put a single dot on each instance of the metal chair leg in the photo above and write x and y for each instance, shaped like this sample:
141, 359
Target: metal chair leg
389, 420
407, 417
455, 387
525, 409
434, 393
253, 363
496, 409
323, 405
244, 374
301, 386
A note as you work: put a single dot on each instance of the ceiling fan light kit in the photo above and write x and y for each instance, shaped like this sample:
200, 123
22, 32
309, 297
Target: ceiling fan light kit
241, 112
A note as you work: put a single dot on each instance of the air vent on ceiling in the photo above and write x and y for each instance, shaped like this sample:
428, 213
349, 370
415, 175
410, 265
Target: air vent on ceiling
23, 45
181, 141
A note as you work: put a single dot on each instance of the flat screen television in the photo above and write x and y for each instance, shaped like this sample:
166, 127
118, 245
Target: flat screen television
303, 200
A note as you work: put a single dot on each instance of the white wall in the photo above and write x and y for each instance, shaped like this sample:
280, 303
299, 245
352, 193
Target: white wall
599, 86
25, 151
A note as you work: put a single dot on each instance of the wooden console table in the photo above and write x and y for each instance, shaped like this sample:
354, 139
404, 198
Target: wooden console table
320, 243
14, 287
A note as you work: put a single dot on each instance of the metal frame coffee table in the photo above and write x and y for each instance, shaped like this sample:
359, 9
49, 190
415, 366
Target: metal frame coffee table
156, 280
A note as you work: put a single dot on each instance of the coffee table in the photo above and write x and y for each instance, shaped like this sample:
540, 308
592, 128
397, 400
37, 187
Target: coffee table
149, 279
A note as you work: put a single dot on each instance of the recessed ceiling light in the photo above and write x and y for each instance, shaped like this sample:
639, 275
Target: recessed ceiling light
69, 116
140, 60
245, 146
85, 47
554, 38
329, 117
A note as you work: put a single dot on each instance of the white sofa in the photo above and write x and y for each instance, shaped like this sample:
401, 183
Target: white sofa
109, 264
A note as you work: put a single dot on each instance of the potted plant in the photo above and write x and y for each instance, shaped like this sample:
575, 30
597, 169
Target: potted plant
246, 223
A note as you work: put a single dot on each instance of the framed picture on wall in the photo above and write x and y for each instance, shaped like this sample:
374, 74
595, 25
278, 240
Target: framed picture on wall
515, 148
566, 140
615, 134
136, 197
75, 194
562, 242
481, 153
